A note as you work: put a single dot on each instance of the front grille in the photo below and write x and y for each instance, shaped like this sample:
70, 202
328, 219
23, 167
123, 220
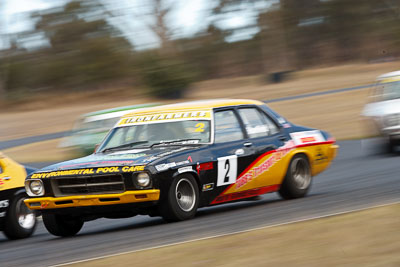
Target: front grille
88, 185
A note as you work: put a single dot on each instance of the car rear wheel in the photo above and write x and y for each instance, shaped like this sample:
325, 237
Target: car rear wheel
182, 199
61, 225
297, 181
391, 145
20, 220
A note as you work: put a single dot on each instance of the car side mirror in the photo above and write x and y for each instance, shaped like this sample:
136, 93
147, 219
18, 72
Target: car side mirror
96, 147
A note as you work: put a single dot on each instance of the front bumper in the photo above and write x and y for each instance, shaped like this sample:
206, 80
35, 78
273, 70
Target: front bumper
333, 151
127, 197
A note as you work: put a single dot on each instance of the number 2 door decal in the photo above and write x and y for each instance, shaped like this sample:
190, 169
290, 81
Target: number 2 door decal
227, 170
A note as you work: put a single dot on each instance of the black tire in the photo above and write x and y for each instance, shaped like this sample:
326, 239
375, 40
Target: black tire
298, 178
391, 146
20, 221
60, 225
182, 199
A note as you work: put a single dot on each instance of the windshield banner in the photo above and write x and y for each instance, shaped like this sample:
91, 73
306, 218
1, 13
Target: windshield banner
166, 116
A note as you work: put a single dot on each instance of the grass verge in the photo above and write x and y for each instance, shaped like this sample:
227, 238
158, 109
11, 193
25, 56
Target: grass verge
366, 238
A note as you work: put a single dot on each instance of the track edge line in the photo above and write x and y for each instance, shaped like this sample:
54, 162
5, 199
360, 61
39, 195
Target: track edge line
231, 233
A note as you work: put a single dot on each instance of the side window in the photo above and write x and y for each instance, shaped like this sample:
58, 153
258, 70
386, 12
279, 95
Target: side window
257, 124
254, 123
273, 128
227, 127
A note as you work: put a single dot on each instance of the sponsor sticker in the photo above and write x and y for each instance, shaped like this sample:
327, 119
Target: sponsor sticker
132, 168
264, 165
88, 171
208, 187
307, 137
320, 157
286, 125
167, 116
245, 194
185, 169
165, 166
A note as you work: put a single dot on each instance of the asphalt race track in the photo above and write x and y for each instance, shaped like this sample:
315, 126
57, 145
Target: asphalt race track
359, 177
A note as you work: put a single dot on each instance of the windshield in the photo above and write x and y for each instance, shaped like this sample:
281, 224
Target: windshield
145, 135
387, 91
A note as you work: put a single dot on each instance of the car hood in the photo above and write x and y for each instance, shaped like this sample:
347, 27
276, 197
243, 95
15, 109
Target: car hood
122, 158
382, 108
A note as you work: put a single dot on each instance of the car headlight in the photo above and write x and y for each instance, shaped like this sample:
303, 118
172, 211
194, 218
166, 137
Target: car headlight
34, 188
143, 179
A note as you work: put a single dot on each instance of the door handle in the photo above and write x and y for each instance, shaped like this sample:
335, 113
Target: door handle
248, 144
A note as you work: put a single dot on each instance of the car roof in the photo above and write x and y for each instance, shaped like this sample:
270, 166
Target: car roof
200, 104
118, 109
389, 75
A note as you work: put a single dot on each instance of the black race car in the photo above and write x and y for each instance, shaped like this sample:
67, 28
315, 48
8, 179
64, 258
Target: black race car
170, 160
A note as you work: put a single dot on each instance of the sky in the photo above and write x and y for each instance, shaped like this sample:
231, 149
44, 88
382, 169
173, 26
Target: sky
15, 13
188, 18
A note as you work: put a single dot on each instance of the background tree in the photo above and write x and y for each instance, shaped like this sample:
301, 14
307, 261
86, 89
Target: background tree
84, 47
3, 74
80, 49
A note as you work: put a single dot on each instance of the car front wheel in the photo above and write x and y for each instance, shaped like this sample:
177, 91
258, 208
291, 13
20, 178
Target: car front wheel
61, 225
297, 181
182, 199
20, 220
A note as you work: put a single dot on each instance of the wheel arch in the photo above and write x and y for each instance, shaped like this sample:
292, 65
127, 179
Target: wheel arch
193, 173
20, 190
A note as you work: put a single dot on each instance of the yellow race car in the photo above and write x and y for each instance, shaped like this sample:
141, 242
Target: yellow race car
16, 220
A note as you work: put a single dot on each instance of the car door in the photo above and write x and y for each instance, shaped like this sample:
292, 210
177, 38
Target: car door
268, 141
231, 151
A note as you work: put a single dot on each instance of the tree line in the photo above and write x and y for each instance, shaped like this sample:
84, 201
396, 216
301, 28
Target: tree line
80, 49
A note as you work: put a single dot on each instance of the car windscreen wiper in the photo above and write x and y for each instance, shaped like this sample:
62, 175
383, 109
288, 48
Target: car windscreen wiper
128, 145
190, 141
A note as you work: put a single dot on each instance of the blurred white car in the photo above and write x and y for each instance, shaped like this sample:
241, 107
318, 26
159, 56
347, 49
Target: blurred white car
384, 108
